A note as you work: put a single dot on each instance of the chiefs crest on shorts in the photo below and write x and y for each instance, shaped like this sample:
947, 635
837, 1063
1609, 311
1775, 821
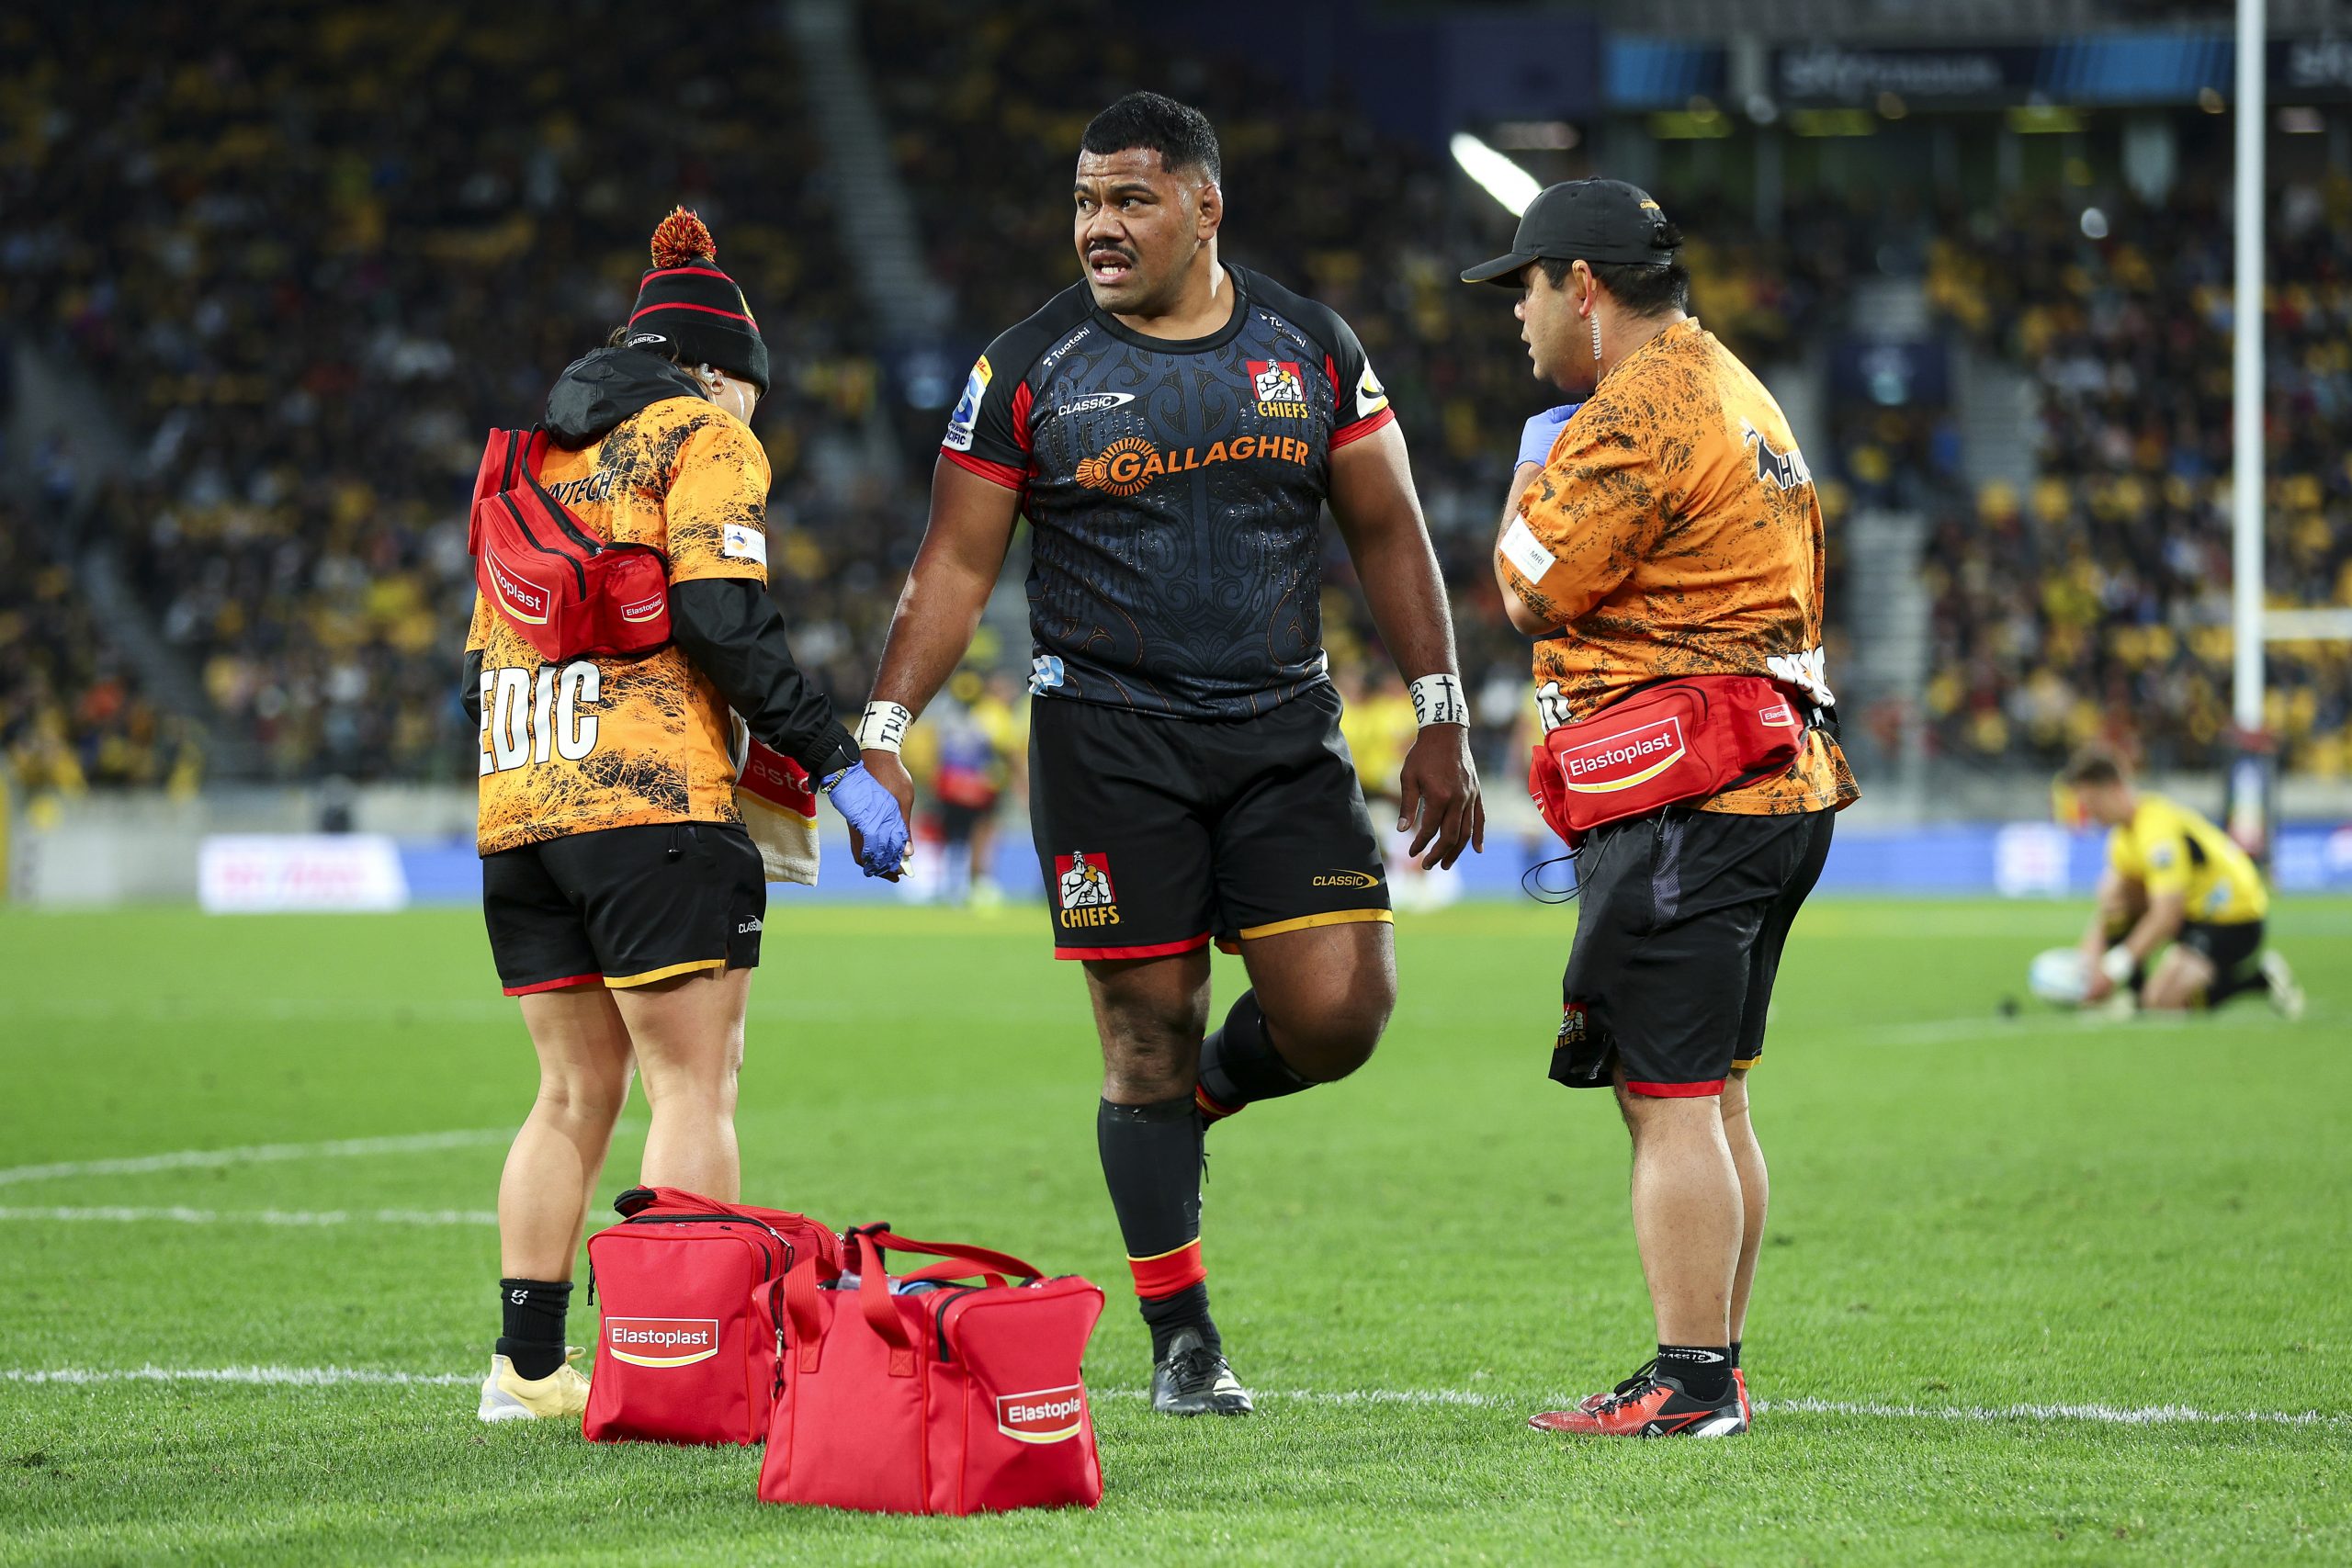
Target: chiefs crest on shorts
1082, 891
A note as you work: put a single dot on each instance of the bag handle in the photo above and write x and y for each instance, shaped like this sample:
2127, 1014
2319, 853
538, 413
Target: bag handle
802, 1309
988, 1260
953, 1269
881, 1311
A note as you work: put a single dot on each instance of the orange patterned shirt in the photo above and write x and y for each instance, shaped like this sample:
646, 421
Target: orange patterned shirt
597, 743
1675, 531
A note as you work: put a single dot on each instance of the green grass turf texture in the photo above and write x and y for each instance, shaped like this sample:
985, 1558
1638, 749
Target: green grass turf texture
1968, 1212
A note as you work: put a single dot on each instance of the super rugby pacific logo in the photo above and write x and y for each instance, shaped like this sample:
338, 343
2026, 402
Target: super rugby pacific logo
1045, 1416
661, 1341
1621, 760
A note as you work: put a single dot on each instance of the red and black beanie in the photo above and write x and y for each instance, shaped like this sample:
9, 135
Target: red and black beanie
687, 304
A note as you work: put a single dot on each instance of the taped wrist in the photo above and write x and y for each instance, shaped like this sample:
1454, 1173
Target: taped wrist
883, 727
1438, 699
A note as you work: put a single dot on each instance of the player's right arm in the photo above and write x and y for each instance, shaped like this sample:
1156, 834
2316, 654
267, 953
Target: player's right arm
955, 570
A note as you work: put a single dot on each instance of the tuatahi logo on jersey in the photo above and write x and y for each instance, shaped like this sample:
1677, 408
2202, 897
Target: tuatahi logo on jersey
1082, 888
1281, 389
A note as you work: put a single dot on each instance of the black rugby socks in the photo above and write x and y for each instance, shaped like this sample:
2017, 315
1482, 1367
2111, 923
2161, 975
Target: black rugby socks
1704, 1370
534, 1312
1240, 1064
1151, 1161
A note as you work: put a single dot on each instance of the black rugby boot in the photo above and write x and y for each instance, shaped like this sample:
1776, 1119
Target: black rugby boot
1193, 1380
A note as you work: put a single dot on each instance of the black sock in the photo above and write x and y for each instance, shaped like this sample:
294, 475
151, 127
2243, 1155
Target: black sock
1168, 1316
1151, 1162
534, 1310
1240, 1064
1704, 1370
2227, 986
1734, 1355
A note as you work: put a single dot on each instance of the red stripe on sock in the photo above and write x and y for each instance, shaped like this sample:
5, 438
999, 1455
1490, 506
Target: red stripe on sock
1169, 1272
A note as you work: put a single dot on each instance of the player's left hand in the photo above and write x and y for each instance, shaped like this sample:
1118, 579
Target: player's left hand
1438, 797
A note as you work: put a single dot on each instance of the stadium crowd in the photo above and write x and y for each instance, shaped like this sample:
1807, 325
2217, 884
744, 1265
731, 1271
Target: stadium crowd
2098, 605
312, 254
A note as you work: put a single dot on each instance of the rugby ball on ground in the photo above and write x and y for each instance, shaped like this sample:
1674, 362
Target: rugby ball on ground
2059, 976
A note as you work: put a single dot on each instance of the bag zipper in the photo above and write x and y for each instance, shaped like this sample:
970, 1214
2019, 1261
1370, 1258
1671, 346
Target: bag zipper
579, 574
939, 1314
562, 514
767, 1261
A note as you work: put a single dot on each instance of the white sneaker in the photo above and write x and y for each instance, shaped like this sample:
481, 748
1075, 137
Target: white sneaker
2285, 995
508, 1397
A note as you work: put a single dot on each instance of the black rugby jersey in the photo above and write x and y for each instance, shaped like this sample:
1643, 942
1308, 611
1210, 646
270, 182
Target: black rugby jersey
1175, 490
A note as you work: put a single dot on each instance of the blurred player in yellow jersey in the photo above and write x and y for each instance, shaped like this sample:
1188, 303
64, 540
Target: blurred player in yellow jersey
2171, 877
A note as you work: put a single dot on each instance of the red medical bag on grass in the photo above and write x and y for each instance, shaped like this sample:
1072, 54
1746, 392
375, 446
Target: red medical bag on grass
1676, 741
946, 1390
569, 593
681, 1355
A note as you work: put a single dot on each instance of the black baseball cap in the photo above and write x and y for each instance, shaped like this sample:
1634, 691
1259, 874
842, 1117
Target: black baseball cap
1593, 221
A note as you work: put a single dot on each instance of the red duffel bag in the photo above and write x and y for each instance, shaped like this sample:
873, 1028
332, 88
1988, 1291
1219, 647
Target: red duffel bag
947, 1390
682, 1355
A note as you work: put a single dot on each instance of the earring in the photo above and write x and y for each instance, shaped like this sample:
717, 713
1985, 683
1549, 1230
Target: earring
1596, 335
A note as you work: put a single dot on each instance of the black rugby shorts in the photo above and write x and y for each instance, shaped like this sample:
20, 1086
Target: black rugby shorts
2228, 948
624, 907
1682, 917
1156, 834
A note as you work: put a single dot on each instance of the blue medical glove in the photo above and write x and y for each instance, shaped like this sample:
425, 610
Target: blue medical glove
859, 796
1536, 437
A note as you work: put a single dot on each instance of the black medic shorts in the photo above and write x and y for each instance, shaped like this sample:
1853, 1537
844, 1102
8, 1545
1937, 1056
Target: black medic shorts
624, 907
1682, 917
1156, 834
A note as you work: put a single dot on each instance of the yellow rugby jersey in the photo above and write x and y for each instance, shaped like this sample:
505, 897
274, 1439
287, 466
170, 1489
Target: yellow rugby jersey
599, 743
2167, 848
1675, 531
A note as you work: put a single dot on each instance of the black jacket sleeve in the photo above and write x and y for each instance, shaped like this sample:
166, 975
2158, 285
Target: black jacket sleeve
735, 635
469, 696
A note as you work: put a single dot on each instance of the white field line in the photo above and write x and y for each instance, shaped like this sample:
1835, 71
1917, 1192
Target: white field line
256, 1154
2104, 1414
293, 1217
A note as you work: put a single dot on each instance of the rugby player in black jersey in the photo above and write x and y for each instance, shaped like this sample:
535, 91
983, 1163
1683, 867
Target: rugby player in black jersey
1172, 427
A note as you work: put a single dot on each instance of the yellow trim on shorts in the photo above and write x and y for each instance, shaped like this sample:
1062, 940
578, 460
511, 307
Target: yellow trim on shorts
1335, 918
623, 982
1740, 1066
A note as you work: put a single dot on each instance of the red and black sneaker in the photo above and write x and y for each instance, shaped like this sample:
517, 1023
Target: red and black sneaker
1649, 1404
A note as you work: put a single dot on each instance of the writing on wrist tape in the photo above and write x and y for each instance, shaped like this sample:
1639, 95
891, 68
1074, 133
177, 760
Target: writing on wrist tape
883, 728
1436, 699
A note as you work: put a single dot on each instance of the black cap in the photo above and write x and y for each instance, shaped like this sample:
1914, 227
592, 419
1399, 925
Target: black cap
688, 306
1592, 220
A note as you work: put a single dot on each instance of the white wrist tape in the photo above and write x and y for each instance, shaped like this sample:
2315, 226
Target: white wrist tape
2118, 963
883, 726
1436, 699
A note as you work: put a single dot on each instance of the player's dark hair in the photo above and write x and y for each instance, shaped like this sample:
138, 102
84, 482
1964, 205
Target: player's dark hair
1643, 288
2092, 765
1180, 134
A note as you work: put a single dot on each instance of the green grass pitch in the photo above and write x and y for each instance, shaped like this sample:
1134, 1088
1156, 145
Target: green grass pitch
2147, 1222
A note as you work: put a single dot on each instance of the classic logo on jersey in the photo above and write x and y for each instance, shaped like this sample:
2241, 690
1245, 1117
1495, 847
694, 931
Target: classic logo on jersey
1623, 760
1046, 1416
1094, 403
1345, 879
661, 1341
1082, 888
1786, 470
967, 417
1131, 463
1281, 389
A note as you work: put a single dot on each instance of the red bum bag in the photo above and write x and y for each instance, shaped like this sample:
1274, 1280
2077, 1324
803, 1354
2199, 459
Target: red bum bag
1679, 741
569, 593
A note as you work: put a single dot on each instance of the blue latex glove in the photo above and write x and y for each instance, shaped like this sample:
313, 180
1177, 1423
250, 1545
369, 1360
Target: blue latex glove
1535, 437
859, 796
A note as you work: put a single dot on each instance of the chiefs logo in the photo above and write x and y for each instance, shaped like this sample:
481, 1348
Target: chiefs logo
1120, 467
